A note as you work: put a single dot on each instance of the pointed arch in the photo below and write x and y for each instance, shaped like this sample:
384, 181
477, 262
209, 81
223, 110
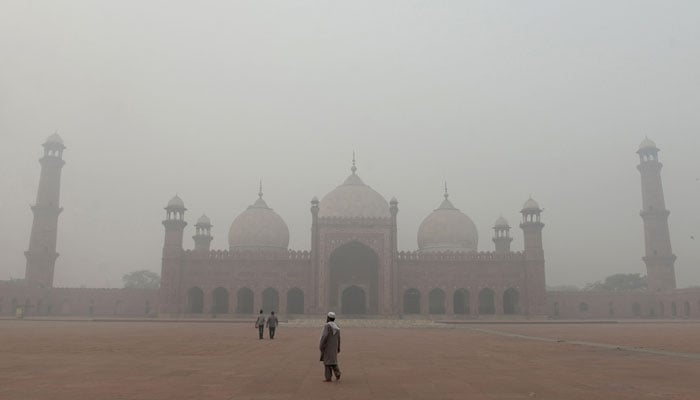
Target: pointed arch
244, 301
436, 301
487, 304
511, 301
295, 301
460, 302
220, 301
270, 300
195, 300
411, 301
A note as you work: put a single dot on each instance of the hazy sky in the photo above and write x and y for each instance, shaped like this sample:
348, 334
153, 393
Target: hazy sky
501, 99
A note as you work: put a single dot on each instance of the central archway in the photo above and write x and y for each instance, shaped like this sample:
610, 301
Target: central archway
354, 278
220, 301
353, 300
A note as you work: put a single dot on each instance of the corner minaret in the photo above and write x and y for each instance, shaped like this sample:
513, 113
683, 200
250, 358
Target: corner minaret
170, 292
42, 255
202, 237
659, 257
174, 227
501, 236
534, 258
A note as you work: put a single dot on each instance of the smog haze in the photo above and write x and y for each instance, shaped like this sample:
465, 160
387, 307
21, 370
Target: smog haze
501, 100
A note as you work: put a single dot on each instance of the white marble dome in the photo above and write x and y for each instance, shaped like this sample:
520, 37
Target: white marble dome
258, 228
447, 229
354, 199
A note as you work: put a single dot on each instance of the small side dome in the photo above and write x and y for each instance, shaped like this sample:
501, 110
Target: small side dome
258, 228
647, 144
501, 223
531, 204
176, 203
203, 221
447, 229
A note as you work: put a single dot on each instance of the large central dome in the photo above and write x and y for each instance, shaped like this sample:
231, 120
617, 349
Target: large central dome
354, 199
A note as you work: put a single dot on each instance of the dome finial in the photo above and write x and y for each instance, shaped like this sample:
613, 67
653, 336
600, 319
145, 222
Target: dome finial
446, 193
260, 192
354, 164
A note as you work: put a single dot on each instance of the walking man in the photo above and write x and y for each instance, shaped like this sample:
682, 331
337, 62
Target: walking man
272, 324
330, 347
260, 324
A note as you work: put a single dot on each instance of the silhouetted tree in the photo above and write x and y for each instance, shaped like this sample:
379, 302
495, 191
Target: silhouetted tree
142, 279
619, 282
563, 288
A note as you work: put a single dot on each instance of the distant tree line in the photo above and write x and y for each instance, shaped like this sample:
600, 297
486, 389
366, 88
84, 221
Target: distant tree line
613, 283
142, 279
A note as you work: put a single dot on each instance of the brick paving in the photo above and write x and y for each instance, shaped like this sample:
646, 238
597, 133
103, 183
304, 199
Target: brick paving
151, 360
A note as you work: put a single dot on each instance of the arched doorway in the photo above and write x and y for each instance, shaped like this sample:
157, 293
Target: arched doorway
244, 301
353, 300
411, 301
436, 301
674, 310
661, 309
295, 301
511, 302
460, 302
119, 307
354, 265
686, 309
487, 305
220, 301
637, 309
270, 301
195, 300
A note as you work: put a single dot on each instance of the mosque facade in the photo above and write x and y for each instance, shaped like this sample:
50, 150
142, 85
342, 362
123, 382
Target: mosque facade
354, 266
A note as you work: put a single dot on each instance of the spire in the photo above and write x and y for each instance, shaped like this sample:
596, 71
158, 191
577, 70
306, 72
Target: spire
354, 164
446, 204
259, 203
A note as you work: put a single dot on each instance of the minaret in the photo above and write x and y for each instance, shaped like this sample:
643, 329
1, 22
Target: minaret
501, 236
42, 255
534, 258
174, 227
659, 257
315, 256
202, 237
395, 300
170, 276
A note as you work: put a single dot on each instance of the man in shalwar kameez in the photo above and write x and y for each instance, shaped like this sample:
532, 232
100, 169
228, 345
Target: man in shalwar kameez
330, 347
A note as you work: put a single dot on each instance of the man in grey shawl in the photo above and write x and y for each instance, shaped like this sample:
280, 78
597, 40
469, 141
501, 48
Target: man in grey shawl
330, 347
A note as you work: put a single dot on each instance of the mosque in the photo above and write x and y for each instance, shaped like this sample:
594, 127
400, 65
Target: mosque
354, 265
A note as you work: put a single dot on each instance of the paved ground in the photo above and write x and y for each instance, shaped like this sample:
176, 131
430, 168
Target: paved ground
120, 360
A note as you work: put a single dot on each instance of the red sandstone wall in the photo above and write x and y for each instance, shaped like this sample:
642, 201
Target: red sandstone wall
233, 272
474, 272
78, 301
601, 305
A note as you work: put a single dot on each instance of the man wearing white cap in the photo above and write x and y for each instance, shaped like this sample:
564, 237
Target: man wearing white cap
330, 347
